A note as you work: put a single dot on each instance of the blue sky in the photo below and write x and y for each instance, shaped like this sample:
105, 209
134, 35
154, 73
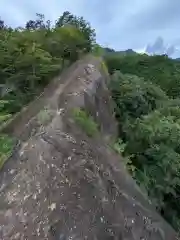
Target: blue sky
120, 24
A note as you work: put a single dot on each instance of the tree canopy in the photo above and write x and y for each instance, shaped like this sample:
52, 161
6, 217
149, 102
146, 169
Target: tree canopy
32, 55
147, 105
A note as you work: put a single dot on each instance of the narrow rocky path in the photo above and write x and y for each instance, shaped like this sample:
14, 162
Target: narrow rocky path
62, 184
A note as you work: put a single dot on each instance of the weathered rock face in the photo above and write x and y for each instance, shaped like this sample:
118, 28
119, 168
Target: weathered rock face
61, 184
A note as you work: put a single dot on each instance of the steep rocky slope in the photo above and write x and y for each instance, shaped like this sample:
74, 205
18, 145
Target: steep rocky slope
62, 184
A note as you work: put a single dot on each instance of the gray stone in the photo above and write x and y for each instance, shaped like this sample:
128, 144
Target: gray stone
65, 185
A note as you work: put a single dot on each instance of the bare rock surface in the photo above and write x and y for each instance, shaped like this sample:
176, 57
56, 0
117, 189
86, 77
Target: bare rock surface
61, 184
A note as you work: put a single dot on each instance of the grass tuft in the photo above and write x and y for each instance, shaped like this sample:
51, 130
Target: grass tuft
44, 116
85, 121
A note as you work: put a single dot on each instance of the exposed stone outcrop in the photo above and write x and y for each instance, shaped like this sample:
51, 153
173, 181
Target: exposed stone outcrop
60, 183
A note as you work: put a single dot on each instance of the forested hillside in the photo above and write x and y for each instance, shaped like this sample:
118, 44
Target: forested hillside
29, 58
31, 55
146, 93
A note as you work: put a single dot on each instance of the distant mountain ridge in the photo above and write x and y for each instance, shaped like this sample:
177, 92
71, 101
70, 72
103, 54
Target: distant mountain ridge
147, 51
110, 51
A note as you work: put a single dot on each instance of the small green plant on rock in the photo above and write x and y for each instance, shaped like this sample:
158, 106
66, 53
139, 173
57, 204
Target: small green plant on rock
85, 121
104, 67
44, 116
119, 147
6, 146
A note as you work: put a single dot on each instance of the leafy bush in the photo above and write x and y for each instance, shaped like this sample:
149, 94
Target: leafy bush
154, 141
79, 23
149, 124
4, 116
32, 55
6, 146
133, 96
86, 122
160, 70
120, 147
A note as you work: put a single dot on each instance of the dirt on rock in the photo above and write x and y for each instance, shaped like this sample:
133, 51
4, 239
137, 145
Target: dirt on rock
61, 184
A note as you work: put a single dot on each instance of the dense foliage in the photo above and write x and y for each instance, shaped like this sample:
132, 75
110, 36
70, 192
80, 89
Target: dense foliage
158, 69
32, 55
149, 125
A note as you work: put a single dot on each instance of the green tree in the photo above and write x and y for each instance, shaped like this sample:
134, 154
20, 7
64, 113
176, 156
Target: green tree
133, 96
149, 124
39, 23
154, 141
160, 70
32, 55
69, 19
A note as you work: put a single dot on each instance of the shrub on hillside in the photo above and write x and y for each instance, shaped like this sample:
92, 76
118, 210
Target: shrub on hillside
32, 55
160, 70
149, 124
133, 96
154, 141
